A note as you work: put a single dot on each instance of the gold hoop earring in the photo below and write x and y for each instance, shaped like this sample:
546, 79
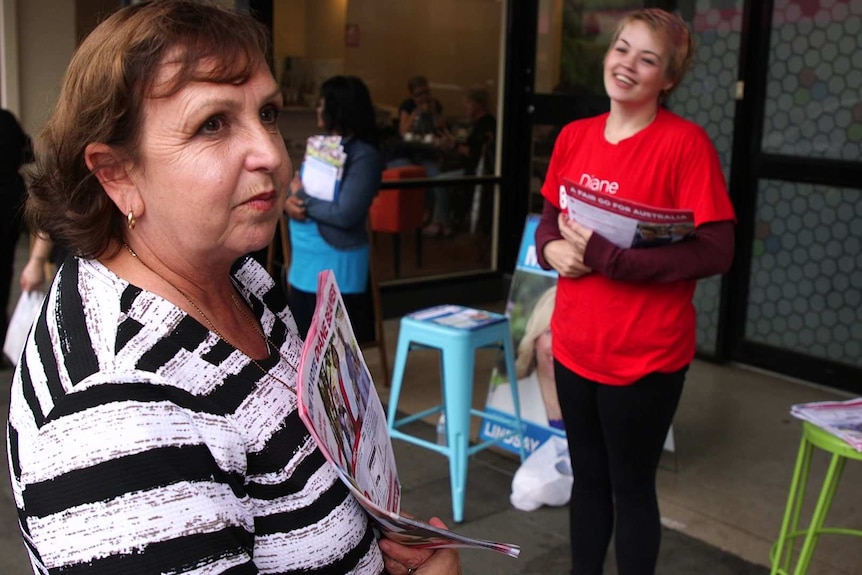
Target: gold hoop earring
131, 219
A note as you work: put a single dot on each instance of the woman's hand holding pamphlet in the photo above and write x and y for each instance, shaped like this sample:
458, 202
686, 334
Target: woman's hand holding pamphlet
341, 409
323, 167
624, 223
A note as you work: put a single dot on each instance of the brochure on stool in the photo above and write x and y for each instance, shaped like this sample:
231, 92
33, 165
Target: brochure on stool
457, 316
340, 406
840, 418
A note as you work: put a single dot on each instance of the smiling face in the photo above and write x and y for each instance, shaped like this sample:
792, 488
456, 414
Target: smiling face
635, 66
212, 169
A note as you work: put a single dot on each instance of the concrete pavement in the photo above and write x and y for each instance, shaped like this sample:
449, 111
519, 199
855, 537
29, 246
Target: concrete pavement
542, 534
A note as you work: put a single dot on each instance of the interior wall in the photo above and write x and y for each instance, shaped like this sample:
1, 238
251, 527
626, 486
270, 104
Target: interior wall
548, 47
288, 29
308, 46
10, 84
9, 91
455, 43
324, 22
88, 14
41, 24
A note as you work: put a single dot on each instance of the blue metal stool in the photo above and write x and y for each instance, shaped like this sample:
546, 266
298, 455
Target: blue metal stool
457, 332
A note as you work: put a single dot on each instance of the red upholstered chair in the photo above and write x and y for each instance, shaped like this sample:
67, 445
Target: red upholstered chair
396, 211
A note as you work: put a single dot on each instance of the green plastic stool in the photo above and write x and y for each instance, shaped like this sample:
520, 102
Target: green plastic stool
781, 554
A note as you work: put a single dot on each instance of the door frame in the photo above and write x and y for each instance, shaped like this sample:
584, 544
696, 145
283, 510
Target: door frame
749, 165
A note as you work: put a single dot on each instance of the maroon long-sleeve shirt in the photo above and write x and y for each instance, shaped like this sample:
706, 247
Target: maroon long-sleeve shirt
708, 252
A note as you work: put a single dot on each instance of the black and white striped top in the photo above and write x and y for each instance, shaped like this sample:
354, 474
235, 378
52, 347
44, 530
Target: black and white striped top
139, 442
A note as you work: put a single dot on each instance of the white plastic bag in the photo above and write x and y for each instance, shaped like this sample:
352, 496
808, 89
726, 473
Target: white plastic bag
545, 477
22, 318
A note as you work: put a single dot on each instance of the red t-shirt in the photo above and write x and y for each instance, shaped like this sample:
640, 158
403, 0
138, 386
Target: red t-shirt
617, 332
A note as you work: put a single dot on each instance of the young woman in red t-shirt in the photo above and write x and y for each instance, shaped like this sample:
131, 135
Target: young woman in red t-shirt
624, 325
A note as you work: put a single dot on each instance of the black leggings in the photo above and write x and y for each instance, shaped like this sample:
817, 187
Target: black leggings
616, 435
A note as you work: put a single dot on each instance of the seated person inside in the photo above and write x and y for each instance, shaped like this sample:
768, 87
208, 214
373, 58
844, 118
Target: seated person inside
420, 117
420, 127
469, 151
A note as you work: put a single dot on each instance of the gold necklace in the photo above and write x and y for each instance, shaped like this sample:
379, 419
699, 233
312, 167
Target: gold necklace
250, 321
261, 333
197, 308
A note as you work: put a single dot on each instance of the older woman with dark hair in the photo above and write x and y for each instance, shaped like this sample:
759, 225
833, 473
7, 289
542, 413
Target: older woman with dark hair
153, 424
332, 234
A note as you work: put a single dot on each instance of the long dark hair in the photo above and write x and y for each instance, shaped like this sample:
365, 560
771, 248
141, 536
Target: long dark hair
347, 108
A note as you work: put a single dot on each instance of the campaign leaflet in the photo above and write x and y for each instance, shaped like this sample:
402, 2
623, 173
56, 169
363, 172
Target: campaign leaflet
457, 316
624, 223
323, 167
338, 403
840, 418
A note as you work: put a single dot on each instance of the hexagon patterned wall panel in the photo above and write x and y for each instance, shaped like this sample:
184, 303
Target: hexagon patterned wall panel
706, 97
805, 283
805, 290
813, 103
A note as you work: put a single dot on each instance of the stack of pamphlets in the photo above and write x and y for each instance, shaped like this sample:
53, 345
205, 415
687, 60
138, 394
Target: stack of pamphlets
840, 418
457, 316
323, 166
341, 409
624, 223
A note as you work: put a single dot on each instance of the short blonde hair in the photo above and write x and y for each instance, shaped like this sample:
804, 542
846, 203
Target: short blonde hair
540, 320
676, 36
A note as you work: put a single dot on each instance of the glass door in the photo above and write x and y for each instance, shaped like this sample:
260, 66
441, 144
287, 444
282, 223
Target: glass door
571, 40
798, 308
456, 45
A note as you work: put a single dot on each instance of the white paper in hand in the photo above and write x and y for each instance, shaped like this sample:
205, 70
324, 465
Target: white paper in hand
22, 318
319, 179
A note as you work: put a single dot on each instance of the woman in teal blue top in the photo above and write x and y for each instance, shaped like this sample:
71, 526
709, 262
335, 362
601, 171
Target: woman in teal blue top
333, 234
